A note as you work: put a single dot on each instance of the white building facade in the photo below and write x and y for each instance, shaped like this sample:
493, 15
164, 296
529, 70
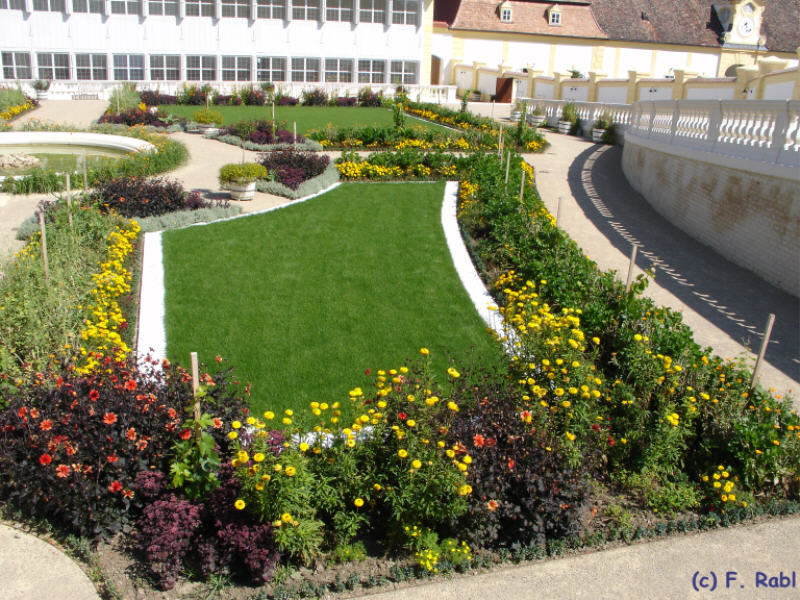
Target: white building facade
160, 43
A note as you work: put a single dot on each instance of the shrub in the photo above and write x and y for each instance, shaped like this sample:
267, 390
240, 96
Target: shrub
523, 491
140, 197
366, 97
292, 168
569, 112
287, 101
191, 94
253, 97
207, 116
135, 116
235, 172
315, 97
123, 98
346, 101
225, 100
155, 98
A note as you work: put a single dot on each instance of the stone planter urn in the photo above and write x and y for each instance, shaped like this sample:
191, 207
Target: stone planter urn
597, 135
242, 190
42, 94
564, 126
208, 129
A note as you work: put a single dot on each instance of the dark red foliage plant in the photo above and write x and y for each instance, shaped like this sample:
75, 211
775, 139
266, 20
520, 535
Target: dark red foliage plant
141, 197
72, 446
292, 168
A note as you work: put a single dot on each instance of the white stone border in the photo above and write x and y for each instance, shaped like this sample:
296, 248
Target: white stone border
76, 138
152, 339
469, 276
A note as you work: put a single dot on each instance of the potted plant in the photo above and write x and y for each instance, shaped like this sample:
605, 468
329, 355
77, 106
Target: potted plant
519, 111
41, 86
208, 119
536, 116
600, 126
569, 116
240, 179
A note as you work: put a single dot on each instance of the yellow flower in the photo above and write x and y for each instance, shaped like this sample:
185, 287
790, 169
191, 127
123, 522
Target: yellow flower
467, 459
286, 421
278, 468
570, 436
411, 422
236, 424
432, 400
290, 471
402, 453
233, 435
359, 502
416, 464
453, 373
303, 447
239, 504
269, 415
452, 406
465, 490
250, 420
377, 487
450, 453
286, 517
424, 351
242, 456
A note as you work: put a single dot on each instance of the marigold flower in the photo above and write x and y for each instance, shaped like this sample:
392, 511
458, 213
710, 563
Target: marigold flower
402, 453
453, 373
239, 504
424, 351
570, 436
452, 406
290, 471
359, 502
269, 415
416, 464
236, 424
286, 517
46, 425
109, 418
233, 435
465, 490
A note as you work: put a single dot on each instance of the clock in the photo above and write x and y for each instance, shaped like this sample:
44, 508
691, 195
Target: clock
746, 27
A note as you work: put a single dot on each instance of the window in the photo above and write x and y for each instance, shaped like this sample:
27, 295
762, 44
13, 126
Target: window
404, 12
305, 69
271, 9
339, 10
305, 10
372, 11
338, 70
199, 8
236, 68
201, 68
125, 7
13, 4
371, 71
90, 6
404, 71
48, 5
163, 7
129, 67
53, 65
165, 67
505, 15
555, 16
91, 66
17, 65
271, 68
236, 8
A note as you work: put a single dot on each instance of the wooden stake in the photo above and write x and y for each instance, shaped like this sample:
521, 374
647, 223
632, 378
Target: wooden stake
558, 209
631, 265
273, 111
69, 201
44, 248
500, 142
85, 177
195, 386
763, 350
508, 165
295, 134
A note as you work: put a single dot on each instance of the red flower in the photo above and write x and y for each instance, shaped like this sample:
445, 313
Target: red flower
69, 449
595, 427
492, 505
93, 395
171, 413
402, 416
127, 494
22, 412
490, 442
130, 385
611, 440
131, 434
109, 418
115, 487
218, 358
34, 413
141, 444
367, 372
217, 422
113, 458
185, 434
45, 459
62, 471
59, 381
511, 463
478, 440
46, 425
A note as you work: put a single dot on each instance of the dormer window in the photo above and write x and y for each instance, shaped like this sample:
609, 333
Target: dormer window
505, 12
554, 16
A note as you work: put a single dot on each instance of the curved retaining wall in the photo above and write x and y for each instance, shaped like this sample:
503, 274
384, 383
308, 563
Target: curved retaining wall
78, 138
746, 210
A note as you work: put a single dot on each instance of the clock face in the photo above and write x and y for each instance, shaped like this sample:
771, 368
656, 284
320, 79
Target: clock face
746, 27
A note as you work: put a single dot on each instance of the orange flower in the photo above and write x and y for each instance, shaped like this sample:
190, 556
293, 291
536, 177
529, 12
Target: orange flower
34, 413
93, 395
127, 494
113, 458
62, 471
115, 487
109, 418
131, 434
492, 505
130, 385
185, 434
45, 459
46, 425
478, 440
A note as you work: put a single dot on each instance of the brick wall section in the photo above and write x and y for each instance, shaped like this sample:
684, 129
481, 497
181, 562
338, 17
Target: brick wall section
751, 219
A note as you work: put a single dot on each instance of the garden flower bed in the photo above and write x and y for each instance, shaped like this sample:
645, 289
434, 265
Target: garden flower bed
13, 102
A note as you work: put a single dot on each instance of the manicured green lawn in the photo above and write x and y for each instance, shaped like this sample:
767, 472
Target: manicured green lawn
303, 300
306, 117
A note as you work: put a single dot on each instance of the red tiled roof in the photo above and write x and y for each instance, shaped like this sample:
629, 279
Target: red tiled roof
528, 17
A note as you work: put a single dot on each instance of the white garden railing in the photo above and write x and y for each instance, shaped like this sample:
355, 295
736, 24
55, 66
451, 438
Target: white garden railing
588, 112
761, 130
